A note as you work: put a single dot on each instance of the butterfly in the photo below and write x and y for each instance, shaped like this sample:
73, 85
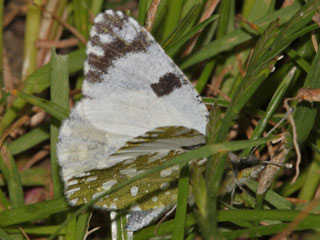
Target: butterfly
138, 110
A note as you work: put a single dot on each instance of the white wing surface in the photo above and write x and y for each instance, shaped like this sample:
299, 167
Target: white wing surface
138, 110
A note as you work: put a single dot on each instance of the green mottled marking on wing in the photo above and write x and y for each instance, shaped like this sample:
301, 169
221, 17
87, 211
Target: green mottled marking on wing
157, 190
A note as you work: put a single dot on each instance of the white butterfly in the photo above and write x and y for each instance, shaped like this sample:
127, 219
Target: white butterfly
138, 110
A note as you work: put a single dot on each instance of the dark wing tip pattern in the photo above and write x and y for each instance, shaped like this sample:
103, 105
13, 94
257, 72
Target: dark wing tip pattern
112, 36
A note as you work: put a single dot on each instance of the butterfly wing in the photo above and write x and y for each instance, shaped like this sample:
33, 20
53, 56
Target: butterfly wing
135, 157
139, 85
138, 110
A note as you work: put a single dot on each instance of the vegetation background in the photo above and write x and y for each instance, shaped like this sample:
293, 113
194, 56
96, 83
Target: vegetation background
231, 51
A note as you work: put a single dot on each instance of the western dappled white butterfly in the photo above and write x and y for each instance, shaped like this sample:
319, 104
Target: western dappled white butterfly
138, 110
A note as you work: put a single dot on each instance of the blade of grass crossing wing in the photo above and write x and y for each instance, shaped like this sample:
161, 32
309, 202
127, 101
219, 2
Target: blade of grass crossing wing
71, 229
82, 225
181, 210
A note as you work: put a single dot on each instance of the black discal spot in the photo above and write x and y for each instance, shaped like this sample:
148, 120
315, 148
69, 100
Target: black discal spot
114, 50
167, 83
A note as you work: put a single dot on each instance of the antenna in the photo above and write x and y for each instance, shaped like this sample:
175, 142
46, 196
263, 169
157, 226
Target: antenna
286, 165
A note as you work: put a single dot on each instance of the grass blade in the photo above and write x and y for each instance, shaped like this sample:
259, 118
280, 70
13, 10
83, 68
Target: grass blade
36, 83
177, 43
53, 109
10, 171
33, 212
236, 37
59, 92
181, 211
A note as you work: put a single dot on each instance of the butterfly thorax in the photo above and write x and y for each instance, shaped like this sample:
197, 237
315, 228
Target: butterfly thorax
239, 171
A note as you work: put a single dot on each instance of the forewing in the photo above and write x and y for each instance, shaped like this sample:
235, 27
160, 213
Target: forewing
131, 85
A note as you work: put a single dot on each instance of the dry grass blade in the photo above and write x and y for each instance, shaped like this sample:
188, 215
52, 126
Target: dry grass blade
73, 30
13, 127
151, 14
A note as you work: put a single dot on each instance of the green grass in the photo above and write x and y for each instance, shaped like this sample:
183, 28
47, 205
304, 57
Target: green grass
256, 96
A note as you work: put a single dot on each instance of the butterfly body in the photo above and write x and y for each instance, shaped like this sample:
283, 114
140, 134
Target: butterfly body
240, 170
